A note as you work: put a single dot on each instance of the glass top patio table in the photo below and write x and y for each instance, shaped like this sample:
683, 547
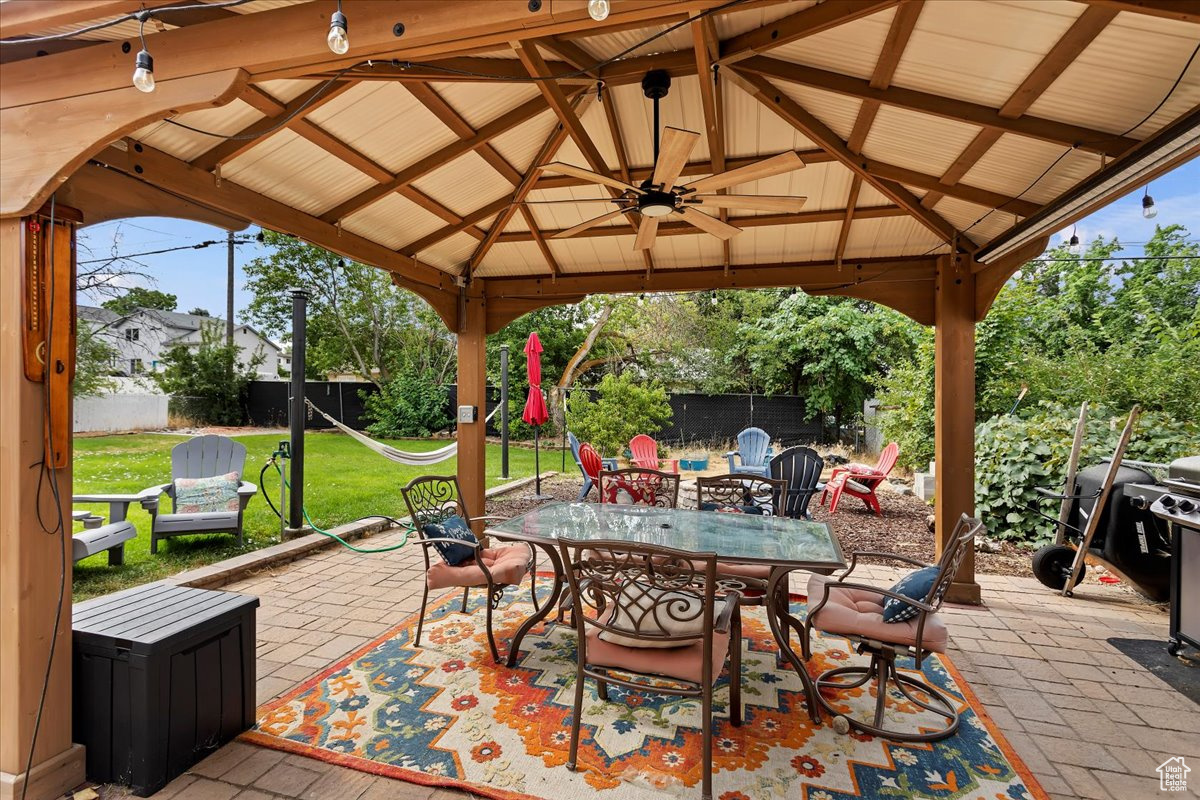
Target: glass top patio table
745, 538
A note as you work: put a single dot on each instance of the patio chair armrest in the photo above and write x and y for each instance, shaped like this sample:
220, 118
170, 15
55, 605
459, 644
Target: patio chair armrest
149, 497
730, 453
918, 604
733, 600
487, 517
247, 489
854, 556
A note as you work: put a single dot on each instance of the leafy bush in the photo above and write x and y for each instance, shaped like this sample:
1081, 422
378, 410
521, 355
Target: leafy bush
622, 409
1013, 455
211, 377
412, 403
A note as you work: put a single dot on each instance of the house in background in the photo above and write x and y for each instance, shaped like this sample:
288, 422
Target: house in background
140, 339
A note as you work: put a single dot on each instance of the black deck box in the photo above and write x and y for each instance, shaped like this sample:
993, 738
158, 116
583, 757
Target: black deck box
163, 675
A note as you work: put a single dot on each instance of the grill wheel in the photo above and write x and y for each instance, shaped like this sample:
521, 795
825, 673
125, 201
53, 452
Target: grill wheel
1052, 566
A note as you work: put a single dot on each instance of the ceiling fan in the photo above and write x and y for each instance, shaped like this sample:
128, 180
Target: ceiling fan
658, 197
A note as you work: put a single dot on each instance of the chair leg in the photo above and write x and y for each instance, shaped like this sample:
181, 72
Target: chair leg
533, 579
602, 689
153, 543
573, 755
421, 617
873, 504
735, 671
466, 591
490, 634
706, 738
834, 497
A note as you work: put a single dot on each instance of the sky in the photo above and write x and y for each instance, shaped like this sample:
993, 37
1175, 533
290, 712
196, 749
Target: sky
197, 276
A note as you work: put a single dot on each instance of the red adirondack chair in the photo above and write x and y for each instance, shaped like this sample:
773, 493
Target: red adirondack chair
859, 480
645, 455
590, 460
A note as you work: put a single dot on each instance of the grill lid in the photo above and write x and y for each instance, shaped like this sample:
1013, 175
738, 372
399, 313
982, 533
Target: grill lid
1186, 468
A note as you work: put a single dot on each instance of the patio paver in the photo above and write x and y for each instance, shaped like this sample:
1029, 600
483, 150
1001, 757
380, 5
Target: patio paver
1089, 722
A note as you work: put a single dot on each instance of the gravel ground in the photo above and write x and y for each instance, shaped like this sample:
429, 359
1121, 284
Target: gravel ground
901, 529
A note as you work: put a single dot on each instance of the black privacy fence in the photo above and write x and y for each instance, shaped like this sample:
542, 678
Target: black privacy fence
697, 419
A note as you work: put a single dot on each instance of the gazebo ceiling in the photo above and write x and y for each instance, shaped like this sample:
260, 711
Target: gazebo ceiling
924, 126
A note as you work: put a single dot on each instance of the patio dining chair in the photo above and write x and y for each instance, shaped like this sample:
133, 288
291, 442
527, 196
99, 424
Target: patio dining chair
439, 517
643, 452
639, 487
652, 612
752, 452
743, 494
801, 467
886, 624
207, 492
859, 480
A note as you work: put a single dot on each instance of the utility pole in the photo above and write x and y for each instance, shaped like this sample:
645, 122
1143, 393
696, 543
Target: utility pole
229, 292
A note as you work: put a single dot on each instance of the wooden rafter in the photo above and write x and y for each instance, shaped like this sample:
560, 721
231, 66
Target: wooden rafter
692, 168
800, 119
684, 229
1082, 32
551, 261
437, 106
474, 218
250, 136
946, 107
707, 47
505, 122
903, 23
1181, 10
821, 17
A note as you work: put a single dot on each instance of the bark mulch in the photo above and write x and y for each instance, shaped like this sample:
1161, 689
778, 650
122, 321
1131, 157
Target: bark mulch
902, 528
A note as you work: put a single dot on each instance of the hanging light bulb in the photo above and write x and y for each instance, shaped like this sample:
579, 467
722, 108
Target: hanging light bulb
143, 64
1073, 246
598, 10
337, 39
1149, 210
714, 298
641, 299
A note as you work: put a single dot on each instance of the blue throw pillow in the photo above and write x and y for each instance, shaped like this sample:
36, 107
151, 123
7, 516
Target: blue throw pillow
916, 585
452, 527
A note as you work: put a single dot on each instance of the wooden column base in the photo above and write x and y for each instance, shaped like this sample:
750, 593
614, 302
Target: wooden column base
48, 780
966, 593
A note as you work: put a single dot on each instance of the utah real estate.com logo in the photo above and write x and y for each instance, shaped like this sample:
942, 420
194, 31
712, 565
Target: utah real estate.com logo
1172, 775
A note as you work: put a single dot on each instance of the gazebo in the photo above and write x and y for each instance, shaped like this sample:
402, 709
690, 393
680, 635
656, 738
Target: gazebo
942, 144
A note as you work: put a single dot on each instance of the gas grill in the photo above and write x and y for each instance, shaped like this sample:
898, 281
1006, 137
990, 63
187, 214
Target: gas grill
1177, 502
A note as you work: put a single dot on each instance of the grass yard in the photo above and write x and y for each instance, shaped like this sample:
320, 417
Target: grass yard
344, 481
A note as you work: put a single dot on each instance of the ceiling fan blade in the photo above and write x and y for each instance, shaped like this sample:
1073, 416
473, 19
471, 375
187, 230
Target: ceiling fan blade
591, 223
775, 165
704, 222
674, 149
647, 233
559, 168
749, 202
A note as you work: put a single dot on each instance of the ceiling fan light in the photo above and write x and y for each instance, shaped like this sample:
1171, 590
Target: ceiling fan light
656, 210
598, 10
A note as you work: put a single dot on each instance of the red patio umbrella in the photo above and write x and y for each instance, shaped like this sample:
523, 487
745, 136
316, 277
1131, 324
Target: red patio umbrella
535, 413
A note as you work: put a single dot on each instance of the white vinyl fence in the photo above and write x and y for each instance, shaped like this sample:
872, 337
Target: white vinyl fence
120, 412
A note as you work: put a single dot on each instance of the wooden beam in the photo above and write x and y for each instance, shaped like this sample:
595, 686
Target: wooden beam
249, 136
818, 18
551, 262
693, 168
684, 229
848, 219
707, 47
505, 122
262, 102
946, 107
990, 278
289, 41
961, 191
1179, 10
791, 112
178, 177
502, 311
27, 17
1082, 33
456, 69
474, 218
33, 163
575, 57
437, 106
472, 391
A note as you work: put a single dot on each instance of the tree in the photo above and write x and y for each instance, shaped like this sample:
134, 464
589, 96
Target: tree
623, 408
357, 319
209, 378
93, 362
200, 312
137, 297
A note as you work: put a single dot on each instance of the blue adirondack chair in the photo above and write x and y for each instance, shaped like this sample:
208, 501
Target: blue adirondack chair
753, 449
587, 480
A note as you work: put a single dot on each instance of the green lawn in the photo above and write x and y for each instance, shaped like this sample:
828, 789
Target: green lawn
344, 481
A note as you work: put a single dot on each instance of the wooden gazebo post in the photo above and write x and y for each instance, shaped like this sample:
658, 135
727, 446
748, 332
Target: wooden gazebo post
472, 391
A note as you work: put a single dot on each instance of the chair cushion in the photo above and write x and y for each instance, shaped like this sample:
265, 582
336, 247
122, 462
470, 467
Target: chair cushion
508, 565
632, 612
736, 509
855, 612
684, 663
916, 585
452, 527
201, 495
855, 486
759, 571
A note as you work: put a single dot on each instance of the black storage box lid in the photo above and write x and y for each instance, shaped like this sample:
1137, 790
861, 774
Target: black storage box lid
150, 618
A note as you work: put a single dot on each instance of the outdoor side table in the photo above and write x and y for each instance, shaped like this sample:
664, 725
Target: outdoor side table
163, 675
118, 509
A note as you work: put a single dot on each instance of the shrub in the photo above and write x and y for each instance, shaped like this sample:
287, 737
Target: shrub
623, 408
412, 403
211, 377
1013, 455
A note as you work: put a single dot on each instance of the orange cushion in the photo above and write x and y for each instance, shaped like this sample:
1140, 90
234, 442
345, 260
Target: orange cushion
508, 565
854, 612
760, 571
684, 663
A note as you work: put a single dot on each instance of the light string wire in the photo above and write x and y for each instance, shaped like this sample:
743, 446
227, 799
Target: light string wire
142, 16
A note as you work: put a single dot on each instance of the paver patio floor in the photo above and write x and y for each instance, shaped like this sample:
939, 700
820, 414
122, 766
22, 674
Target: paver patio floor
1088, 721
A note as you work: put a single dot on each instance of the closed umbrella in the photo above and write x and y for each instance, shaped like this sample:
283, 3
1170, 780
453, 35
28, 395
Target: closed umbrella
535, 413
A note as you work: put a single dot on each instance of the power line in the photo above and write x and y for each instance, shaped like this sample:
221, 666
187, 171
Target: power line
199, 246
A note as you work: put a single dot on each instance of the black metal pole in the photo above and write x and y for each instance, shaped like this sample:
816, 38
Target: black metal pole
537, 469
296, 412
504, 412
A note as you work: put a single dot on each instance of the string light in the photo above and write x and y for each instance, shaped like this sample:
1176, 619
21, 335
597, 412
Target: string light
337, 39
1149, 210
1073, 246
143, 71
598, 10
714, 298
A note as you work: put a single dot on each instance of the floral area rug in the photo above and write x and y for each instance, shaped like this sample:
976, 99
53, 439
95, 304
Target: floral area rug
444, 714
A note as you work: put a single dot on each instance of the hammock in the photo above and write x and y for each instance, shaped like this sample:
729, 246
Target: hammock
391, 453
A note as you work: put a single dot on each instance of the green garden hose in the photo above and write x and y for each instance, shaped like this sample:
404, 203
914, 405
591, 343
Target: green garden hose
274, 462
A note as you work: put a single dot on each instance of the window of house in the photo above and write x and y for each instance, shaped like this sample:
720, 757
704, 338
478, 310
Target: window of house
132, 334
135, 366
